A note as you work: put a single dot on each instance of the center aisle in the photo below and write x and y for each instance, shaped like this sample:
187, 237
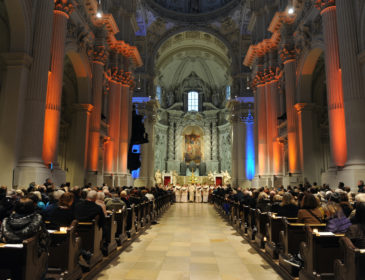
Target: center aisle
192, 242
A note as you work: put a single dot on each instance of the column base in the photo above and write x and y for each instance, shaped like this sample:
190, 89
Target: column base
28, 172
58, 175
124, 180
244, 183
173, 165
108, 179
262, 181
350, 175
212, 166
144, 182
95, 178
292, 180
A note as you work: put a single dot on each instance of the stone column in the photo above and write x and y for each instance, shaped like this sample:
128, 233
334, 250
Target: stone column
289, 60
124, 130
215, 162
30, 166
79, 144
147, 174
269, 128
249, 148
112, 146
236, 140
261, 130
309, 136
336, 113
11, 112
62, 11
353, 91
98, 62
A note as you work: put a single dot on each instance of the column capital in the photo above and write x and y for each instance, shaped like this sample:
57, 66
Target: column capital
16, 59
83, 107
64, 6
98, 54
300, 107
324, 4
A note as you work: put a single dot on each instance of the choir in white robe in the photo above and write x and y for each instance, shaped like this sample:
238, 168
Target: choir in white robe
205, 193
178, 193
191, 193
184, 194
198, 194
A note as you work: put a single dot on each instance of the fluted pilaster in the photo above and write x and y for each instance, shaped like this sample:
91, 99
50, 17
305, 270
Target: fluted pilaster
336, 114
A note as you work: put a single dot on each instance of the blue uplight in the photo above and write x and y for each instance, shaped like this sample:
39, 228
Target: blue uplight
136, 149
250, 147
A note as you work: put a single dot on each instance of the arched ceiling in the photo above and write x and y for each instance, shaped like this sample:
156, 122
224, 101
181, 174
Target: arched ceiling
192, 10
193, 51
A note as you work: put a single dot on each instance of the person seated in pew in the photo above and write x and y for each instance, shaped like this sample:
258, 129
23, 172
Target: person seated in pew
134, 197
100, 197
288, 207
337, 222
86, 210
114, 203
24, 223
263, 202
275, 205
124, 197
310, 213
6, 203
356, 232
345, 204
63, 214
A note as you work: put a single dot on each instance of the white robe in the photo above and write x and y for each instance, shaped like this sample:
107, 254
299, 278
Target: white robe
178, 194
198, 195
184, 194
205, 194
191, 193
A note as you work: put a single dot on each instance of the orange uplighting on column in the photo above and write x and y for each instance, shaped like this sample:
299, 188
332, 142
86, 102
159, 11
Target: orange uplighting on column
337, 124
277, 157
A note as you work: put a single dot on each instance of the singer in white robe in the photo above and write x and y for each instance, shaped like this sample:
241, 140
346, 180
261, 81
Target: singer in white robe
191, 193
178, 193
198, 194
184, 194
205, 193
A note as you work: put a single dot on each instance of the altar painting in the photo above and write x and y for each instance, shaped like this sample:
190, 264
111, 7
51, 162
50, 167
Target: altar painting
193, 148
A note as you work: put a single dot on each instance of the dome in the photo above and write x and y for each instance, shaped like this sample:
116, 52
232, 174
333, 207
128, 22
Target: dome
192, 10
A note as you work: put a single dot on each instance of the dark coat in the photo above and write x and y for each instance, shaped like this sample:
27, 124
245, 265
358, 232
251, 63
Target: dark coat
86, 211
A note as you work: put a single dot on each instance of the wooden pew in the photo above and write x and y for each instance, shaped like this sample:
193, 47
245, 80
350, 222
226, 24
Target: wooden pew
261, 220
251, 224
290, 239
131, 217
121, 219
244, 219
319, 253
353, 263
91, 236
137, 220
109, 236
64, 252
274, 226
22, 261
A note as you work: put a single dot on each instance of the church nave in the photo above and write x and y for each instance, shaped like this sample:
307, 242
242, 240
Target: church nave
190, 241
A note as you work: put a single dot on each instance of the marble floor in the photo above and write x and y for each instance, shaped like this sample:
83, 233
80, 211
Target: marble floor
192, 242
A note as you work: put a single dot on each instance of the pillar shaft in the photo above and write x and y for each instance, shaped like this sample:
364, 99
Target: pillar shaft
95, 118
353, 93
336, 114
269, 128
261, 130
292, 122
54, 90
277, 161
30, 165
124, 130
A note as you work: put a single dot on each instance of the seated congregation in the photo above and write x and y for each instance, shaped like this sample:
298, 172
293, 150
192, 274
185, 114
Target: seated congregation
308, 231
50, 232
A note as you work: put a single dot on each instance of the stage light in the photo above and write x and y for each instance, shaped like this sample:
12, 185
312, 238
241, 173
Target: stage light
291, 11
99, 14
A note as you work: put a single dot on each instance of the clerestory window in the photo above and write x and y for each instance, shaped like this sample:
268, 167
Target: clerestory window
193, 101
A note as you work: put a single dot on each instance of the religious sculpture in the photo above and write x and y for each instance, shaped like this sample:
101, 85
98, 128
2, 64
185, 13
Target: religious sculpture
226, 178
158, 177
174, 177
211, 177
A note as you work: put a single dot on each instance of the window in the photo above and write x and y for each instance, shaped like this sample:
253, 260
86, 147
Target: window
228, 92
193, 101
158, 93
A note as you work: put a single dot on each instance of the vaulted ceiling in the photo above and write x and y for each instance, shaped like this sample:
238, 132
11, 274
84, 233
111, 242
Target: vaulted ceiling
192, 51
